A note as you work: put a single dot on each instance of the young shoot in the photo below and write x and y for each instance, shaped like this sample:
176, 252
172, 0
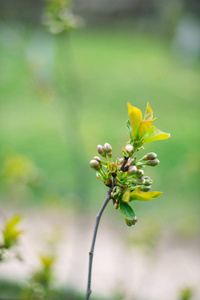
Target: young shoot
125, 176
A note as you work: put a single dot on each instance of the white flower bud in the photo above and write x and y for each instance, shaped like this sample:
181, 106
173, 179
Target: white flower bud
153, 163
129, 149
101, 150
108, 149
94, 164
132, 170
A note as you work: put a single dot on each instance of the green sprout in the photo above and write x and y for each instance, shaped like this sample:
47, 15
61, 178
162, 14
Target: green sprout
125, 176
143, 131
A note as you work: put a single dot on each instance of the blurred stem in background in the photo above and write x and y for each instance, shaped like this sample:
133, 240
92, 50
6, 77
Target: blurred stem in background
71, 102
60, 21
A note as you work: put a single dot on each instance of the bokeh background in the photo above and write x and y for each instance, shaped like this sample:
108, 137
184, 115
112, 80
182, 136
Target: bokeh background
62, 92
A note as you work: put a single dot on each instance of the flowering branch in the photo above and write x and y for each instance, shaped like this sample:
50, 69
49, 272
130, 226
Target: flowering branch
125, 177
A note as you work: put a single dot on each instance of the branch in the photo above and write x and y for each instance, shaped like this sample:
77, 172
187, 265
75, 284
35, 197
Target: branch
124, 163
98, 217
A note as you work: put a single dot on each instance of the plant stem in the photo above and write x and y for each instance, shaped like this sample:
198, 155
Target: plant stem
98, 217
124, 163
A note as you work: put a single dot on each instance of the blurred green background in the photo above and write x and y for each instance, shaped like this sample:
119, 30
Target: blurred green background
61, 95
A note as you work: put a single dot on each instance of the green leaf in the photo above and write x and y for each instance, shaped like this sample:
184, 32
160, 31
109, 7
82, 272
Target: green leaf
137, 195
154, 134
148, 113
137, 144
126, 211
128, 125
122, 175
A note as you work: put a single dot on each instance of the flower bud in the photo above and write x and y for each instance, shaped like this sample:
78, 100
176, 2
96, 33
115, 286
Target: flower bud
153, 163
99, 176
131, 222
107, 149
94, 164
120, 160
116, 205
135, 220
150, 156
145, 188
133, 160
97, 158
148, 181
140, 173
112, 167
141, 181
116, 192
129, 149
132, 170
101, 150
108, 182
128, 222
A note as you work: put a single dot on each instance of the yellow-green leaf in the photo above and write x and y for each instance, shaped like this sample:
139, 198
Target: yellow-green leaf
135, 118
148, 113
154, 134
144, 127
137, 195
126, 196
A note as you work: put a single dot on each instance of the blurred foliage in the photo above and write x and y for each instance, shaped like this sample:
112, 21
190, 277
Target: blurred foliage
13, 290
103, 70
10, 236
186, 294
17, 169
40, 283
146, 235
59, 18
44, 276
149, 16
11, 233
20, 178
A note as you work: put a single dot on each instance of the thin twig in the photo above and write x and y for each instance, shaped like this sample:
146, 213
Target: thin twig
124, 163
98, 217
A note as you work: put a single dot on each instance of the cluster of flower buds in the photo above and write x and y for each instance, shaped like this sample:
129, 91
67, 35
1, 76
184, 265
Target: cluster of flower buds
125, 177
105, 150
95, 163
151, 159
